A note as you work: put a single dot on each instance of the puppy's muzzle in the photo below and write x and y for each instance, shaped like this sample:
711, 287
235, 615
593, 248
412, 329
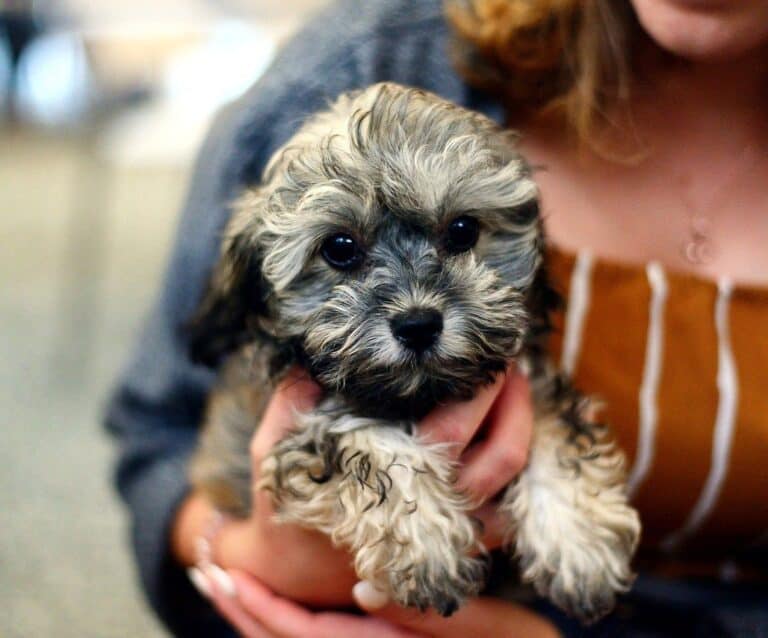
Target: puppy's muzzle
418, 329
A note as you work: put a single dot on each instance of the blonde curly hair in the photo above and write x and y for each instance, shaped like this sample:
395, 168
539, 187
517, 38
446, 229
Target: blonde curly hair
569, 59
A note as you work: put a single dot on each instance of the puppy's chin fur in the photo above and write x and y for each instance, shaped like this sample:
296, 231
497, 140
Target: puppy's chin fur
382, 394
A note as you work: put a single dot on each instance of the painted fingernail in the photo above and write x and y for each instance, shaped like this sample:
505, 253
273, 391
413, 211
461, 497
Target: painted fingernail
368, 597
222, 580
200, 581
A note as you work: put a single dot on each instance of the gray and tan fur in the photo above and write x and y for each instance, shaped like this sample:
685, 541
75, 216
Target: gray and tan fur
391, 169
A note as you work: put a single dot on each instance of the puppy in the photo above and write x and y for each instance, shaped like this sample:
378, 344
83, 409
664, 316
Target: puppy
394, 250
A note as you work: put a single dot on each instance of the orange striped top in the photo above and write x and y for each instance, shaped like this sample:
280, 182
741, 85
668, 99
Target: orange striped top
682, 365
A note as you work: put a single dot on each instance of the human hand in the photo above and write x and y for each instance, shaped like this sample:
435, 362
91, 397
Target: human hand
290, 560
255, 612
489, 436
301, 564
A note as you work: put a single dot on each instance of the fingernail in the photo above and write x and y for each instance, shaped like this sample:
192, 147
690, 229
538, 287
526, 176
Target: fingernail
368, 597
223, 580
199, 580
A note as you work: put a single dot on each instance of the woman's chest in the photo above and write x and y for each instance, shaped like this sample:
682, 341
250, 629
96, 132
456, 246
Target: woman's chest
690, 216
682, 365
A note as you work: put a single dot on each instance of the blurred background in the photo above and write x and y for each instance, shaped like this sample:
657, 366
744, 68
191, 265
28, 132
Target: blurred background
102, 106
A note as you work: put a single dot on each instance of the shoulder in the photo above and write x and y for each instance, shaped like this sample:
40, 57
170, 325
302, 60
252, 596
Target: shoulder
349, 45
353, 43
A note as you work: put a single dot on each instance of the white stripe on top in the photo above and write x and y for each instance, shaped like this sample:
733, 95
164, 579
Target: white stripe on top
725, 421
578, 303
648, 404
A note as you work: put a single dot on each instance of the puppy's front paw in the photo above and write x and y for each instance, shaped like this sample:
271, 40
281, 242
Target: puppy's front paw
582, 577
444, 587
420, 556
409, 528
392, 502
574, 531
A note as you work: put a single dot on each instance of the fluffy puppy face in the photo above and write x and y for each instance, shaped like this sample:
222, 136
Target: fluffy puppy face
389, 249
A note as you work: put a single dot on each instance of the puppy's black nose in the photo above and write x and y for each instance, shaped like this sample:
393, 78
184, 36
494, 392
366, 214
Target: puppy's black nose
418, 329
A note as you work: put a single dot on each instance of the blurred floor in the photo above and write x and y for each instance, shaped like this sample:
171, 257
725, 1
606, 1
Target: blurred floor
83, 247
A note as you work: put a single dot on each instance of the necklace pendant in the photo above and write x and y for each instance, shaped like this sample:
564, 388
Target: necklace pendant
698, 251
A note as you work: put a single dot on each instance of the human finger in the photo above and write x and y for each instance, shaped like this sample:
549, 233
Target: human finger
494, 526
222, 594
498, 458
457, 423
286, 619
296, 393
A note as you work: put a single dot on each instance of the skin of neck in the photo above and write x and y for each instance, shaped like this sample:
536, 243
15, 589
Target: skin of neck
694, 140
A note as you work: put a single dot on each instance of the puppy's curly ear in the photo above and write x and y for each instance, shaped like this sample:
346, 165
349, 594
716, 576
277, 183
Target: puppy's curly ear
226, 318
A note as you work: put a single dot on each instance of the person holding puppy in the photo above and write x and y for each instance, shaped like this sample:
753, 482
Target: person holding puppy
647, 118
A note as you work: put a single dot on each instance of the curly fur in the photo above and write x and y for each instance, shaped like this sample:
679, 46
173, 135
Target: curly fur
392, 167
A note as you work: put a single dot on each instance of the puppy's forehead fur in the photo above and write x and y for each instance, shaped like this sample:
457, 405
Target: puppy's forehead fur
386, 150
426, 152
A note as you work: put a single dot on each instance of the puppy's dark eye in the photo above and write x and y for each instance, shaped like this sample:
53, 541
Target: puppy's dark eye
341, 252
462, 234
528, 211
